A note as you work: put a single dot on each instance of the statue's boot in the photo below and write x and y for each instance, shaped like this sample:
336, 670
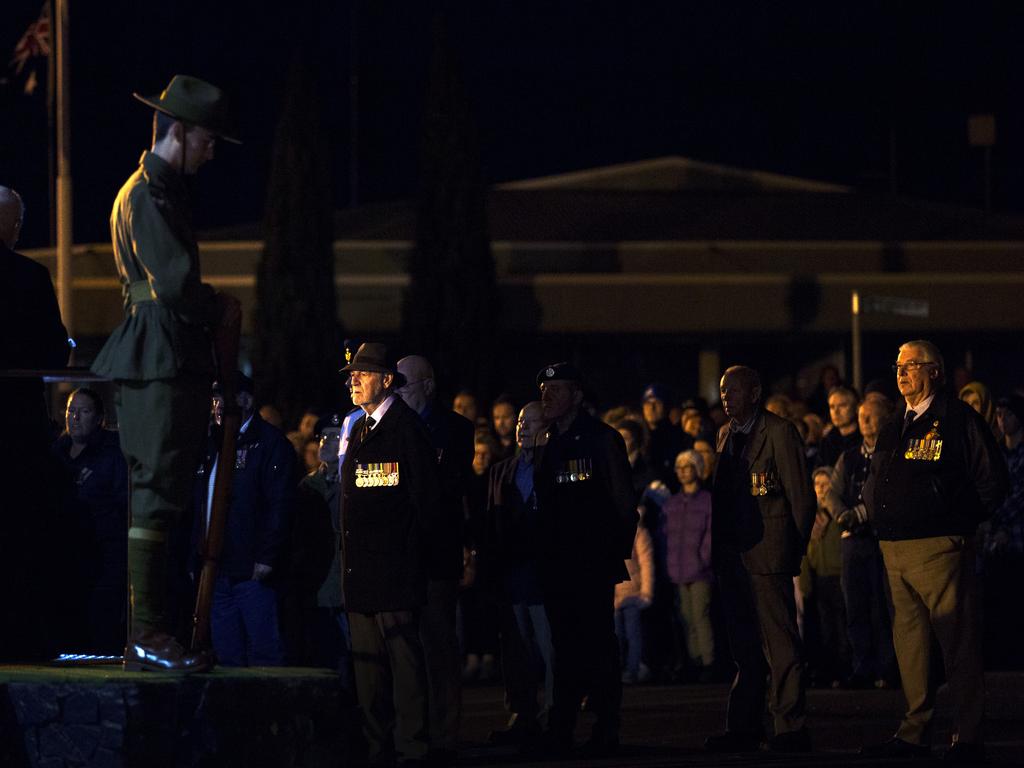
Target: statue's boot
150, 646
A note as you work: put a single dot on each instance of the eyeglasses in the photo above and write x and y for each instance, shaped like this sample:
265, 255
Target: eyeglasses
913, 365
409, 385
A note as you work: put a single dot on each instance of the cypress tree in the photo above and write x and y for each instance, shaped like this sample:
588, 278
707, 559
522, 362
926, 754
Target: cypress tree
297, 349
451, 313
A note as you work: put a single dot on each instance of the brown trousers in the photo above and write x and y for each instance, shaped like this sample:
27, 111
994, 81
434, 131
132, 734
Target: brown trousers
934, 589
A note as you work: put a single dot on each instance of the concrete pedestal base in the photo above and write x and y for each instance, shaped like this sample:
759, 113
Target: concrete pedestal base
61, 717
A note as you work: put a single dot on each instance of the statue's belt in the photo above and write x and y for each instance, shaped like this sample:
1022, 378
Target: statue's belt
140, 291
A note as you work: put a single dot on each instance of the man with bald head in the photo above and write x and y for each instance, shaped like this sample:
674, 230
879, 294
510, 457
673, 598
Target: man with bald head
33, 337
763, 507
452, 438
29, 305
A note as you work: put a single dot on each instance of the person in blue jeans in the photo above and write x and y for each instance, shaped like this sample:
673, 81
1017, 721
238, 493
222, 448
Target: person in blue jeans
632, 597
244, 625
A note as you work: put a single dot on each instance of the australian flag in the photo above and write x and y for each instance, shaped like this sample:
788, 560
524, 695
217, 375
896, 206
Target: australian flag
33, 44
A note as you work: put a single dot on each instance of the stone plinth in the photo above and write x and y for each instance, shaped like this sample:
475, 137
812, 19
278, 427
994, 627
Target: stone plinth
64, 717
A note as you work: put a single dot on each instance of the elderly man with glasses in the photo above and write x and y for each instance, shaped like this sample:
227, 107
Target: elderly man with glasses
935, 475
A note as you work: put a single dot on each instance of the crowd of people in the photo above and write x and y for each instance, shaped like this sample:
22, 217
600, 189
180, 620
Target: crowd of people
851, 539
282, 595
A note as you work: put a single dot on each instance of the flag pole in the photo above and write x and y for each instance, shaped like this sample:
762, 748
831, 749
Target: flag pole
51, 128
65, 235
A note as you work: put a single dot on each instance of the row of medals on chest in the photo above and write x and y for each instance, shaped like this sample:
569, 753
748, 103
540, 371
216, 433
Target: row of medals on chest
763, 483
575, 471
377, 475
927, 448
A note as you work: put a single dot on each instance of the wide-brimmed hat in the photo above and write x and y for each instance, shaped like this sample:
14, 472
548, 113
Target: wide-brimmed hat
373, 357
195, 102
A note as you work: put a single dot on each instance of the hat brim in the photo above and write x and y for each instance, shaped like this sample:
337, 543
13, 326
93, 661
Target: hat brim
155, 103
399, 379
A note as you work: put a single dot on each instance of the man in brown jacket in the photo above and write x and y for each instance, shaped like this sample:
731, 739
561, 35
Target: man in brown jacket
763, 508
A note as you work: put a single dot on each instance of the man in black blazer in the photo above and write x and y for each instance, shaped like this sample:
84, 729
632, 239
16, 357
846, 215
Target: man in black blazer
391, 497
513, 545
244, 616
452, 438
763, 507
33, 337
588, 522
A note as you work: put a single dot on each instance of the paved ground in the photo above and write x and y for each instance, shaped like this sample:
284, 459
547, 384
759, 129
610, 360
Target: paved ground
666, 726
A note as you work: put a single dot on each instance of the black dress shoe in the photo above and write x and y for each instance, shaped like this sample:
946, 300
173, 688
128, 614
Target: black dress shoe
965, 754
521, 730
789, 742
599, 746
441, 758
897, 749
858, 683
733, 741
548, 746
159, 652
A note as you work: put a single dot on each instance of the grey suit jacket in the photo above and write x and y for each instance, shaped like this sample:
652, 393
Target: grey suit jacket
769, 531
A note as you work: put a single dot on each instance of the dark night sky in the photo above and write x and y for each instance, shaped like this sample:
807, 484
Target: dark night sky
809, 89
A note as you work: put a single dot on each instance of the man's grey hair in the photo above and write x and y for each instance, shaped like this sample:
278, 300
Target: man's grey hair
931, 355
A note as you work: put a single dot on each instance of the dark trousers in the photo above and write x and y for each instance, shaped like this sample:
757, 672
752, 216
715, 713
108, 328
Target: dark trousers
586, 658
517, 673
330, 643
832, 657
443, 663
391, 683
30, 540
243, 624
866, 593
760, 619
1004, 621
479, 621
663, 637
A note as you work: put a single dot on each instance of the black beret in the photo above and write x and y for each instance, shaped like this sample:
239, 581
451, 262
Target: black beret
559, 371
328, 421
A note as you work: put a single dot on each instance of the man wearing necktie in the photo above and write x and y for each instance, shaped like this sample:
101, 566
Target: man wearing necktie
931, 482
762, 510
390, 496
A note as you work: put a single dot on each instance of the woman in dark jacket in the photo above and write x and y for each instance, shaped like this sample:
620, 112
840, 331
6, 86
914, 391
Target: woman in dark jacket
95, 515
